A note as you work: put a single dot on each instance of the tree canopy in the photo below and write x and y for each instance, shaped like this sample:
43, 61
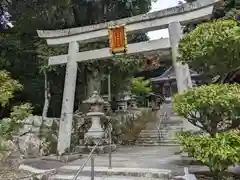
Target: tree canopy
25, 56
140, 86
7, 87
211, 48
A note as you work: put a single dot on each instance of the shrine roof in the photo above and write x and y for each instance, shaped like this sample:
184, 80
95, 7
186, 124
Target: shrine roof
170, 74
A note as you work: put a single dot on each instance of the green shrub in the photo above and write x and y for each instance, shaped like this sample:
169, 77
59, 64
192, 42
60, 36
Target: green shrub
218, 152
7, 87
213, 108
11, 125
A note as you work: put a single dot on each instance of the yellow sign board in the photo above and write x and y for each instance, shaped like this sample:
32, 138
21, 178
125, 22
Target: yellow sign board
117, 39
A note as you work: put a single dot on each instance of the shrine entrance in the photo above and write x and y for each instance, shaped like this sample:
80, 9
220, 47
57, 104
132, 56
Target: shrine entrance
172, 18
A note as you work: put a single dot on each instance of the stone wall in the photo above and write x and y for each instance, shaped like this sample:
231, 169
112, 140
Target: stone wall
38, 136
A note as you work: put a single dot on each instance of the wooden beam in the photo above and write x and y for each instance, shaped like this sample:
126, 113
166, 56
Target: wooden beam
186, 13
148, 46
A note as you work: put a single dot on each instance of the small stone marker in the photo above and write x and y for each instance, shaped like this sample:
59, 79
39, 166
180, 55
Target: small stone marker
186, 176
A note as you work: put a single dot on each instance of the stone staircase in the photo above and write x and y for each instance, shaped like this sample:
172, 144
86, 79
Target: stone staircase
152, 136
103, 173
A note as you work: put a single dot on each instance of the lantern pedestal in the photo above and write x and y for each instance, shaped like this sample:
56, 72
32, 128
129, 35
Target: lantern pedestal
103, 149
96, 130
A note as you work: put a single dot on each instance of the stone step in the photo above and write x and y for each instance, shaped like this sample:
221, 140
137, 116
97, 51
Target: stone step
157, 144
162, 136
163, 140
152, 134
147, 131
157, 132
165, 129
116, 171
157, 135
70, 177
156, 140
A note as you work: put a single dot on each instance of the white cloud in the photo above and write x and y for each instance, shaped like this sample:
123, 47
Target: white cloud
161, 4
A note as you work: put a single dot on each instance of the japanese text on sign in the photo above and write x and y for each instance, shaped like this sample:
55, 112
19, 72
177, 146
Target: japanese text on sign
117, 39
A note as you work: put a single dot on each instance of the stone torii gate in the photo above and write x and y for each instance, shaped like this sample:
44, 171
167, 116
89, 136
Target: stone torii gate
170, 18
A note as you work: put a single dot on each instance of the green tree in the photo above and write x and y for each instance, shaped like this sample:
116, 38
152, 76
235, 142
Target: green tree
214, 108
11, 124
226, 10
218, 153
7, 88
24, 55
211, 48
140, 86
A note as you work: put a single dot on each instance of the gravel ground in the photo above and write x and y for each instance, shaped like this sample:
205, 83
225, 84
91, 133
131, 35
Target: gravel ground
11, 174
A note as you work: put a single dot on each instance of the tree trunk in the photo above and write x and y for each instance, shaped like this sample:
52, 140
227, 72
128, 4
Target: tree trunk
47, 96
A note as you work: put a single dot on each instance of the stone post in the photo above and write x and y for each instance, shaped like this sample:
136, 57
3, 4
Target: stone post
175, 34
65, 127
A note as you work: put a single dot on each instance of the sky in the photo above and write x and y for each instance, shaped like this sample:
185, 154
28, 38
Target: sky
161, 4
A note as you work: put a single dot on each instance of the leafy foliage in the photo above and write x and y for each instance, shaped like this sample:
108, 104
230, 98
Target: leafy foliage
211, 48
7, 87
223, 9
25, 56
218, 152
237, 33
140, 86
214, 108
11, 125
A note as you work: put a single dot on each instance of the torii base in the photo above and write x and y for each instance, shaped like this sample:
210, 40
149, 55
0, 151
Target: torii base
102, 149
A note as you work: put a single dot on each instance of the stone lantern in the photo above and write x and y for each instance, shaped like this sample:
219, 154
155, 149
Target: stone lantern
107, 105
96, 132
96, 113
132, 102
122, 105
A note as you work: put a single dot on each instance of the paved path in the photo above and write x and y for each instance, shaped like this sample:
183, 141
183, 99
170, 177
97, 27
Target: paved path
158, 157
136, 157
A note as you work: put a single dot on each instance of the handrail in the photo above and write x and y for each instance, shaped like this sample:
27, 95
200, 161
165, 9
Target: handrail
162, 118
91, 153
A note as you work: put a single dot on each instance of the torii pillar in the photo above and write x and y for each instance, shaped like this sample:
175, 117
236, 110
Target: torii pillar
183, 76
65, 125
